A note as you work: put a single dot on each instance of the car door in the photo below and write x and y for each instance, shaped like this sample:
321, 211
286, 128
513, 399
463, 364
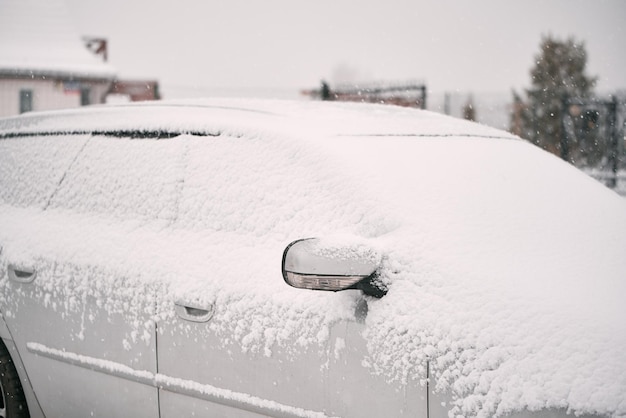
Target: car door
47, 325
203, 372
234, 347
206, 373
79, 304
83, 356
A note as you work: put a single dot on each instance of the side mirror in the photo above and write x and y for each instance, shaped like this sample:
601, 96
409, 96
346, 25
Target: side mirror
317, 265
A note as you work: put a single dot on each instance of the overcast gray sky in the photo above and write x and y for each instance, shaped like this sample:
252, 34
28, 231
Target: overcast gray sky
480, 45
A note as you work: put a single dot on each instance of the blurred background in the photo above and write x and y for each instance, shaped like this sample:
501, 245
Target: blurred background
551, 72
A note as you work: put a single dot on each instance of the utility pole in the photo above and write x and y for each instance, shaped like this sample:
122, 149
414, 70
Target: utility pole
446, 103
423, 89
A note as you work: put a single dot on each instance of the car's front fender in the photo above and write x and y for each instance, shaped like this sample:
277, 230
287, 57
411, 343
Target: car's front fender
4, 330
33, 404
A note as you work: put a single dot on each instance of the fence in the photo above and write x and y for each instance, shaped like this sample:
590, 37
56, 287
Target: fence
409, 94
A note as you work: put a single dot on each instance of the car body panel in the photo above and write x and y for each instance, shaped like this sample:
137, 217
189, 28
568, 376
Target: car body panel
4, 330
329, 379
440, 403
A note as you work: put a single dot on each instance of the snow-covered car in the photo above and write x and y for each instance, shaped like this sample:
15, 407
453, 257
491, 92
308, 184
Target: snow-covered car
169, 259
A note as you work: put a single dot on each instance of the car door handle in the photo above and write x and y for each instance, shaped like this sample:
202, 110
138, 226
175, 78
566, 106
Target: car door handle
21, 274
193, 312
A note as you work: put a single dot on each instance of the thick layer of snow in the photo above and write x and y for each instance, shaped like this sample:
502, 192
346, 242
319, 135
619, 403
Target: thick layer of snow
505, 265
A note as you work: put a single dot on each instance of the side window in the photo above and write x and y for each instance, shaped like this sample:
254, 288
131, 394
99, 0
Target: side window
32, 167
224, 194
26, 100
125, 178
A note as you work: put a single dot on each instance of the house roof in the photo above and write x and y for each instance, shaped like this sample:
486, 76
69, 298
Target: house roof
38, 38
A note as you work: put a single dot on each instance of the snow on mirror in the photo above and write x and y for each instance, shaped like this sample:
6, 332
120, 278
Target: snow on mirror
319, 264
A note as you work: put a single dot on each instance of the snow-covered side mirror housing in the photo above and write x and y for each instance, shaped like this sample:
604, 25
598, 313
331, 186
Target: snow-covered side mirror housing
317, 264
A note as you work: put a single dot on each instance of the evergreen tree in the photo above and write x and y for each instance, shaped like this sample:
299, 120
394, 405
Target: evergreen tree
557, 77
469, 112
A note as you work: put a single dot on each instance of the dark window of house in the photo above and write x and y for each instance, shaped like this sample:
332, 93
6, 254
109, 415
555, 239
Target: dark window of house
26, 100
84, 96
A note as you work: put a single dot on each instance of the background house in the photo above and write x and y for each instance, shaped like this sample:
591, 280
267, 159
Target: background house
44, 63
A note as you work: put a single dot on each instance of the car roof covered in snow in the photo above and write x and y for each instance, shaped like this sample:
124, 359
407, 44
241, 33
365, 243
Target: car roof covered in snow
213, 116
